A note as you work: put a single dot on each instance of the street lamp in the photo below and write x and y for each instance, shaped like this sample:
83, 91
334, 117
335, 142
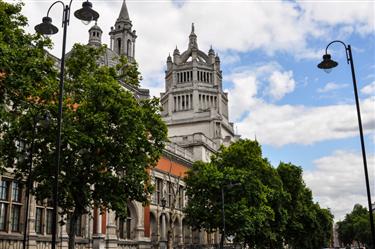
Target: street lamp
85, 14
229, 186
327, 64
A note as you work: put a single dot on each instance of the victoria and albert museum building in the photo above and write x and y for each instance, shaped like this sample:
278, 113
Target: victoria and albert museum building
195, 109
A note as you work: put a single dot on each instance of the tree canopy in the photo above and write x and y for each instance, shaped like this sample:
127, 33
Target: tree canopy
265, 207
308, 225
355, 227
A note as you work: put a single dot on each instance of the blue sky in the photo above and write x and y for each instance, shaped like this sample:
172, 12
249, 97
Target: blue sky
269, 51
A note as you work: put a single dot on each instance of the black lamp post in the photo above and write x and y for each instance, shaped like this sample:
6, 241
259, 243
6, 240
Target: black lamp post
228, 186
223, 218
86, 14
327, 64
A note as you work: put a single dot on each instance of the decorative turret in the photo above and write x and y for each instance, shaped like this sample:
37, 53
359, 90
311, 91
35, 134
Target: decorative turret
176, 55
95, 35
211, 55
122, 35
169, 62
193, 38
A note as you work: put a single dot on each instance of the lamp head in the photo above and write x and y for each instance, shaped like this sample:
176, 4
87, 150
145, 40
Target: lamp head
327, 64
86, 14
46, 27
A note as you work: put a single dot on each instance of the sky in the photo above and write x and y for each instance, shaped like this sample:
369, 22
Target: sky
268, 51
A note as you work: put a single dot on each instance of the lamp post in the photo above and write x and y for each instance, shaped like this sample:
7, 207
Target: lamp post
86, 14
327, 64
223, 219
229, 186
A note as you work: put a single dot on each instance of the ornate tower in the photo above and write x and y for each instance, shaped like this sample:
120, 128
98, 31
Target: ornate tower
95, 35
122, 35
195, 107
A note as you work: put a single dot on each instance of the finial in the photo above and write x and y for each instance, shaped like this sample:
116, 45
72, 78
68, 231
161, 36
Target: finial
192, 27
211, 52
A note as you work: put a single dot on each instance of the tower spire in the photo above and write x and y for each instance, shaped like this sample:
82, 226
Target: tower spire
124, 14
193, 38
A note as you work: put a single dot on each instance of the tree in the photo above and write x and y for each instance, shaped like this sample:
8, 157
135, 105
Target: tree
355, 227
308, 225
24, 71
109, 138
253, 196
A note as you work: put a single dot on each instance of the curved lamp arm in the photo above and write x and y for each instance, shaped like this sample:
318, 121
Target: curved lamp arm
67, 8
348, 57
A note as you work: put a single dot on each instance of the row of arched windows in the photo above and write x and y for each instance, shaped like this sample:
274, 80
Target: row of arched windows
187, 76
183, 77
183, 102
207, 101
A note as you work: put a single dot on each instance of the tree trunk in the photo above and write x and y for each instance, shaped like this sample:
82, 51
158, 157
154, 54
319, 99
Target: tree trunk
170, 233
72, 230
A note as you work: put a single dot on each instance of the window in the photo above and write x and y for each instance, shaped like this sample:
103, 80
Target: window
78, 231
38, 220
159, 189
43, 216
170, 194
4, 189
16, 210
119, 45
181, 197
16, 192
125, 226
10, 205
128, 47
49, 221
3, 216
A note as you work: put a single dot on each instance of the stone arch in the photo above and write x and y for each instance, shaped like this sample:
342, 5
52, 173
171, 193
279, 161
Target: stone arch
132, 221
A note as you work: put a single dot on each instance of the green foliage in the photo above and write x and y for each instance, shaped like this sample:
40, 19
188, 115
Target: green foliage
355, 227
308, 225
264, 207
25, 71
253, 193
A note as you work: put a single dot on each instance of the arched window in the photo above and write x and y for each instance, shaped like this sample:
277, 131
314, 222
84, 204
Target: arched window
128, 48
119, 45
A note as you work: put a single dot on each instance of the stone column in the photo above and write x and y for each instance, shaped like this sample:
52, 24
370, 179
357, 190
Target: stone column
98, 240
31, 224
163, 234
111, 235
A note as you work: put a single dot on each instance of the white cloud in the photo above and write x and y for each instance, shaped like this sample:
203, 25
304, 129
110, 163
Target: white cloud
280, 84
337, 181
331, 86
247, 84
230, 26
369, 89
358, 14
288, 124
